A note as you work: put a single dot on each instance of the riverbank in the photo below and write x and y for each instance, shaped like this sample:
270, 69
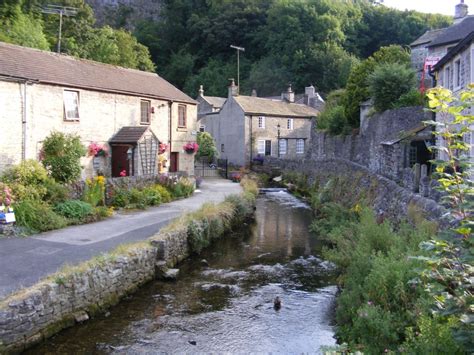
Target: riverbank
78, 292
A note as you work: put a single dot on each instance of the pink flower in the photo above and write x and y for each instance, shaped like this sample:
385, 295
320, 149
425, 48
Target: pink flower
123, 173
191, 147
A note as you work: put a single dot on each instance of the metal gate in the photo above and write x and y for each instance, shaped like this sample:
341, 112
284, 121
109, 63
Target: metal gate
210, 168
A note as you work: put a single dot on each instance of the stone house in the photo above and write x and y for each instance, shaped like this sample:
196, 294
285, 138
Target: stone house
434, 44
248, 128
128, 111
208, 104
455, 71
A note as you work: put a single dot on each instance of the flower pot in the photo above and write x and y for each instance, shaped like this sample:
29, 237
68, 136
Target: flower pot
189, 151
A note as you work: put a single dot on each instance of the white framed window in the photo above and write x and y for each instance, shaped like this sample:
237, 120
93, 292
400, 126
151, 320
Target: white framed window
283, 144
457, 74
71, 105
261, 146
261, 122
145, 111
299, 146
182, 116
289, 123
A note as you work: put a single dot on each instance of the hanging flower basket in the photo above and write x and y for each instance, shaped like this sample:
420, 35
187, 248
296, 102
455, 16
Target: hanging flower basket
191, 147
97, 150
162, 148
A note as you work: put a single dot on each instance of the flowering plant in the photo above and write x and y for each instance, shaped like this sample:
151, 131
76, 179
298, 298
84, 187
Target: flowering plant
162, 148
96, 150
123, 173
191, 147
6, 197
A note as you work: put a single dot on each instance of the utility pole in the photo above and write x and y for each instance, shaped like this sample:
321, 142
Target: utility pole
239, 49
61, 11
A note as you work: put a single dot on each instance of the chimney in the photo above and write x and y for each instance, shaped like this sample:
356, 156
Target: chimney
201, 91
460, 11
289, 95
254, 93
233, 89
309, 94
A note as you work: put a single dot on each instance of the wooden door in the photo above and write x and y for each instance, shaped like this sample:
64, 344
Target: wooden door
119, 160
174, 166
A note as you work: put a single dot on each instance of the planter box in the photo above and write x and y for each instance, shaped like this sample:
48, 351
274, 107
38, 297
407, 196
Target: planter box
8, 217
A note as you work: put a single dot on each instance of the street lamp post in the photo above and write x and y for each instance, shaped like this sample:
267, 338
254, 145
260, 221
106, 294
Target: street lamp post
239, 49
278, 139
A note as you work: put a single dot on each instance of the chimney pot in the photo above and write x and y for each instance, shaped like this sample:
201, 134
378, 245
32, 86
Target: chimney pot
460, 11
254, 92
289, 95
201, 90
233, 89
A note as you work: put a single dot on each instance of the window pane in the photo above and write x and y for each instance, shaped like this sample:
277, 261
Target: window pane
283, 144
181, 116
300, 146
71, 105
144, 111
289, 123
261, 147
261, 122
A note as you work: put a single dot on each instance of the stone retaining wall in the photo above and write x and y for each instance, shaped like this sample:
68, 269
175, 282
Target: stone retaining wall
388, 197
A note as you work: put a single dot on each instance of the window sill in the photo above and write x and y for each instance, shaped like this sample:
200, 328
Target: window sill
145, 123
182, 129
71, 120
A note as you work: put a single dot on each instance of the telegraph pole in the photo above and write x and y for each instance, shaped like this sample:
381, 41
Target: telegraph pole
239, 49
61, 11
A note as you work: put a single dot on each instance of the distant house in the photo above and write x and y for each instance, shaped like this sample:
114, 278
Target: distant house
129, 111
208, 104
455, 71
434, 44
249, 127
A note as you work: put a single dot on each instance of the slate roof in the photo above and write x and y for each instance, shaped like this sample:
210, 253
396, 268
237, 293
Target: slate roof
215, 101
129, 134
454, 51
261, 106
427, 37
454, 33
58, 69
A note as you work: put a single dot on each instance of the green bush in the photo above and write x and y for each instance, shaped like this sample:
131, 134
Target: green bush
27, 180
412, 98
183, 188
94, 192
120, 197
74, 209
207, 146
36, 216
164, 193
138, 199
153, 195
55, 192
61, 156
388, 82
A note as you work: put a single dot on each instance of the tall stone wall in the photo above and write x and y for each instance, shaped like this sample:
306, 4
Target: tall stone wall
366, 148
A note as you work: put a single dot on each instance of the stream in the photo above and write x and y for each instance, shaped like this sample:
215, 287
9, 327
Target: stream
223, 299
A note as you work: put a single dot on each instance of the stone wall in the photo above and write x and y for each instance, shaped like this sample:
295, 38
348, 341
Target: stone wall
385, 195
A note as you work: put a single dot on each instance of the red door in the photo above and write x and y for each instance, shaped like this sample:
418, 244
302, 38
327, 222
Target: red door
174, 162
119, 160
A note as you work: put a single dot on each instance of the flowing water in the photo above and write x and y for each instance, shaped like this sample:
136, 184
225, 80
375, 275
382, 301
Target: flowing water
224, 303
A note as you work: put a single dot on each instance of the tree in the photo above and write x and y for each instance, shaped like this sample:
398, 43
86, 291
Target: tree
61, 156
207, 146
388, 82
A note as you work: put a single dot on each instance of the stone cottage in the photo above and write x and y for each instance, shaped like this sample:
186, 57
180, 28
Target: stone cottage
248, 128
434, 44
455, 71
130, 112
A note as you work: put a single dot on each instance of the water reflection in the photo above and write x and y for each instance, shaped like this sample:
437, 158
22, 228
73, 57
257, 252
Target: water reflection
226, 303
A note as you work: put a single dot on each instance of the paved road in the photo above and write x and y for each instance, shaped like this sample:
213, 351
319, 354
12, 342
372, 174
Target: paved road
24, 261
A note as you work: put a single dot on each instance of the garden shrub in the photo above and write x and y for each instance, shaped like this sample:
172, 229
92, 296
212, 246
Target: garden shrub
412, 98
74, 209
27, 180
182, 188
138, 199
55, 192
164, 193
61, 155
101, 212
207, 146
153, 195
388, 82
37, 216
120, 197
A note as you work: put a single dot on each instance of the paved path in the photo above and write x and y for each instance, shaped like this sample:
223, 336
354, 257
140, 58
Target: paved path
24, 261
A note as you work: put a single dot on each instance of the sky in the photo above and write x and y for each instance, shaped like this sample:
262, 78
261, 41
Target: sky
445, 7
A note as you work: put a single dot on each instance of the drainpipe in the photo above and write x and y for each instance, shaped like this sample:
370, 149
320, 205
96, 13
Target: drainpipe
170, 117
433, 117
251, 153
24, 120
